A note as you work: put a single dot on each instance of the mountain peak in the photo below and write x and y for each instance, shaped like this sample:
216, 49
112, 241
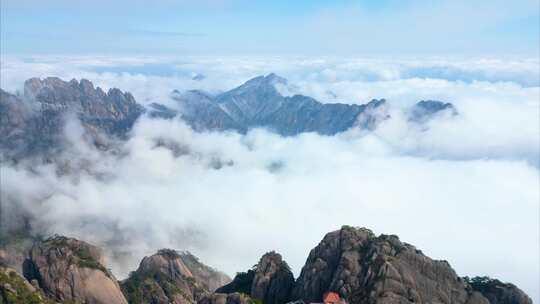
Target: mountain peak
275, 79
424, 110
268, 80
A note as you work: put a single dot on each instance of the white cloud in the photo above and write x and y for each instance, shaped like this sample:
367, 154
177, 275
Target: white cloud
465, 190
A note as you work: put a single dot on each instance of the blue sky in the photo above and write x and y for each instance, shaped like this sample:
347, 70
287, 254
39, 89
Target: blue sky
241, 27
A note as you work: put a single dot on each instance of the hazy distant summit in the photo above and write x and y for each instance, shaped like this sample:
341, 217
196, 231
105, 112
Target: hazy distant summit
35, 122
259, 103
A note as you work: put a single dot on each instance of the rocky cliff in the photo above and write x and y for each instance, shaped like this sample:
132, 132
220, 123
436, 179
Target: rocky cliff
232, 298
33, 124
364, 268
14, 289
353, 262
367, 269
270, 281
171, 277
113, 111
210, 277
258, 103
71, 270
273, 281
498, 292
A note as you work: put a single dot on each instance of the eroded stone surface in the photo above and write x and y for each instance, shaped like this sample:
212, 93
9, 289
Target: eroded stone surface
67, 269
171, 277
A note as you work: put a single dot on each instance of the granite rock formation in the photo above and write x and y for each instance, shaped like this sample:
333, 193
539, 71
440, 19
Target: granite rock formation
67, 269
364, 268
353, 262
14, 289
221, 298
273, 280
33, 124
270, 281
498, 292
171, 277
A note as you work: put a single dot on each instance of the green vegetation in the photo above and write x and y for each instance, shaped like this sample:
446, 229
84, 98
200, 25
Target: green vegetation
170, 253
241, 283
13, 290
255, 301
93, 265
58, 241
85, 260
482, 284
132, 288
141, 287
81, 253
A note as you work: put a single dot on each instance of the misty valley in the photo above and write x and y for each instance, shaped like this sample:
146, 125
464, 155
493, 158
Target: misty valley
109, 200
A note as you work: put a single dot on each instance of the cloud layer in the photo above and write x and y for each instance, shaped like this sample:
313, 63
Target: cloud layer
461, 188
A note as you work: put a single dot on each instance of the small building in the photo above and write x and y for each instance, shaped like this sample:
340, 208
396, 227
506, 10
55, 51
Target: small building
331, 298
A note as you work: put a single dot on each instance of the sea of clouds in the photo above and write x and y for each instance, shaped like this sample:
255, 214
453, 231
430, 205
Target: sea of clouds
464, 189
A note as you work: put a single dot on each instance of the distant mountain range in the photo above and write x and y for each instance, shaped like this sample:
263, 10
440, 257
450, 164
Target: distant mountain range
33, 123
353, 264
259, 103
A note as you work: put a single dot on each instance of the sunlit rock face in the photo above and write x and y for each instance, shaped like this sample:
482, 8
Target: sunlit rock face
352, 264
364, 268
171, 277
67, 269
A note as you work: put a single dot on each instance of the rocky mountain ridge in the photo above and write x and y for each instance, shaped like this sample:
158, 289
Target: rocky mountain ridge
354, 263
259, 103
270, 281
171, 277
363, 268
34, 123
69, 270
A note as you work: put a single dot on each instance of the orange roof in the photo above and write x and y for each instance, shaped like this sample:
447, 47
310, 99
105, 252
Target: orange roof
331, 297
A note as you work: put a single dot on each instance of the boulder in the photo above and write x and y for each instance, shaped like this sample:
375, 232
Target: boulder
171, 277
273, 281
498, 292
364, 268
67, 269
15, 289
270, 281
